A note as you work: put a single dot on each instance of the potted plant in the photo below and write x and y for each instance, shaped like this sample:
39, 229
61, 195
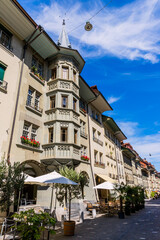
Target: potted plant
128, 200
121, 190
34, 69
65, 194
30, 224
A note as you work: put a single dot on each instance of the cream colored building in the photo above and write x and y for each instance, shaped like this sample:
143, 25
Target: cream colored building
51, 117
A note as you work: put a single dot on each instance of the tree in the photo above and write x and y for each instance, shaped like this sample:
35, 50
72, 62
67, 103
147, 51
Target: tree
66, 192
84, 181
11, 180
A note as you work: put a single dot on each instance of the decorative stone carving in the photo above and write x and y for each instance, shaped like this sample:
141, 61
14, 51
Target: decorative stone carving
75, 116
64, 112
75, 151
75, 89
65, 85
52, 86
63, 148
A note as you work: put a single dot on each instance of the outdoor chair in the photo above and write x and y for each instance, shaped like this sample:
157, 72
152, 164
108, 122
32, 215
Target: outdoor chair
89, 207
8, 231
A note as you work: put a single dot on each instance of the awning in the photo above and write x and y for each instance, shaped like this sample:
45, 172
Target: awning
106, 178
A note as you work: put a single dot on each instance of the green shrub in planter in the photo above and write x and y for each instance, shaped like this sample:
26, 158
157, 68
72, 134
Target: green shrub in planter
30, 224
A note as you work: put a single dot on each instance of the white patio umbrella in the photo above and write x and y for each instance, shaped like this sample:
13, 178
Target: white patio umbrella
105, 185
51, 178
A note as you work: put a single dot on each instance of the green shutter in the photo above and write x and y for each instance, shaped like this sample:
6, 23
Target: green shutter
2, 70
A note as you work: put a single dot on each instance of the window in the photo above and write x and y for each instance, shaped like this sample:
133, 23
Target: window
54, 73
30, 96
29, 130
100, 157
74, 104
97, 117
39, 66
50, 130
93, 114
52, 102
33, 99
99, 135
65, 73
75, 136
64, 101
40, 69
64, 134
83, 126
94, 133
95, 156
82, 104
26, 129
33, 132
83, 150
74, 76
2, 70
37, 97
5, 37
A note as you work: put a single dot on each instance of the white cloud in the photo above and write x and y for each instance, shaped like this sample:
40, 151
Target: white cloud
130, 32
144, 145
129, 128
113, 99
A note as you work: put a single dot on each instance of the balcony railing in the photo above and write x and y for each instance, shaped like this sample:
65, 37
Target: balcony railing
97, 141
83, 134
3, 85
33, 106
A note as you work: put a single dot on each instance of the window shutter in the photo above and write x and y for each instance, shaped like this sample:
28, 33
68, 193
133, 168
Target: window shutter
2, 70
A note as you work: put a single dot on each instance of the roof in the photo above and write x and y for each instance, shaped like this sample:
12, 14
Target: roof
100, 102
63, 39
18, 21
86, 91
128, 152
113, 125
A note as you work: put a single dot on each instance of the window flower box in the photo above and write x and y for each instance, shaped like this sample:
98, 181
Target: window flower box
85, 158
83, 111
35, 73
30, 142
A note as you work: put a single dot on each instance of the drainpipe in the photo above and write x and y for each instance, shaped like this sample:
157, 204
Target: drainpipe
29, 41
90, 156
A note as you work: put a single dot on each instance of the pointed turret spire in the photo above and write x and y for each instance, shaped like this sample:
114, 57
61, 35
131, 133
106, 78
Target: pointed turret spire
63, 40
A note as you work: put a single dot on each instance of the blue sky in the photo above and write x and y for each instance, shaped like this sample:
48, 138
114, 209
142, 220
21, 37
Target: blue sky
122, 55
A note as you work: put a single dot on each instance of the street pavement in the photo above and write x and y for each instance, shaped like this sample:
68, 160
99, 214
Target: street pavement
144, 225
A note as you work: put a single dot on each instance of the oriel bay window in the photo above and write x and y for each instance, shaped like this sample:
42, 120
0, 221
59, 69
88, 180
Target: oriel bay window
52, 102
65, 101
64, 134
65, 72
50, 130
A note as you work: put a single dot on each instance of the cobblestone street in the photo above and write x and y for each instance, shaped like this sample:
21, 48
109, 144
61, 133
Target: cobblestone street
144, 225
